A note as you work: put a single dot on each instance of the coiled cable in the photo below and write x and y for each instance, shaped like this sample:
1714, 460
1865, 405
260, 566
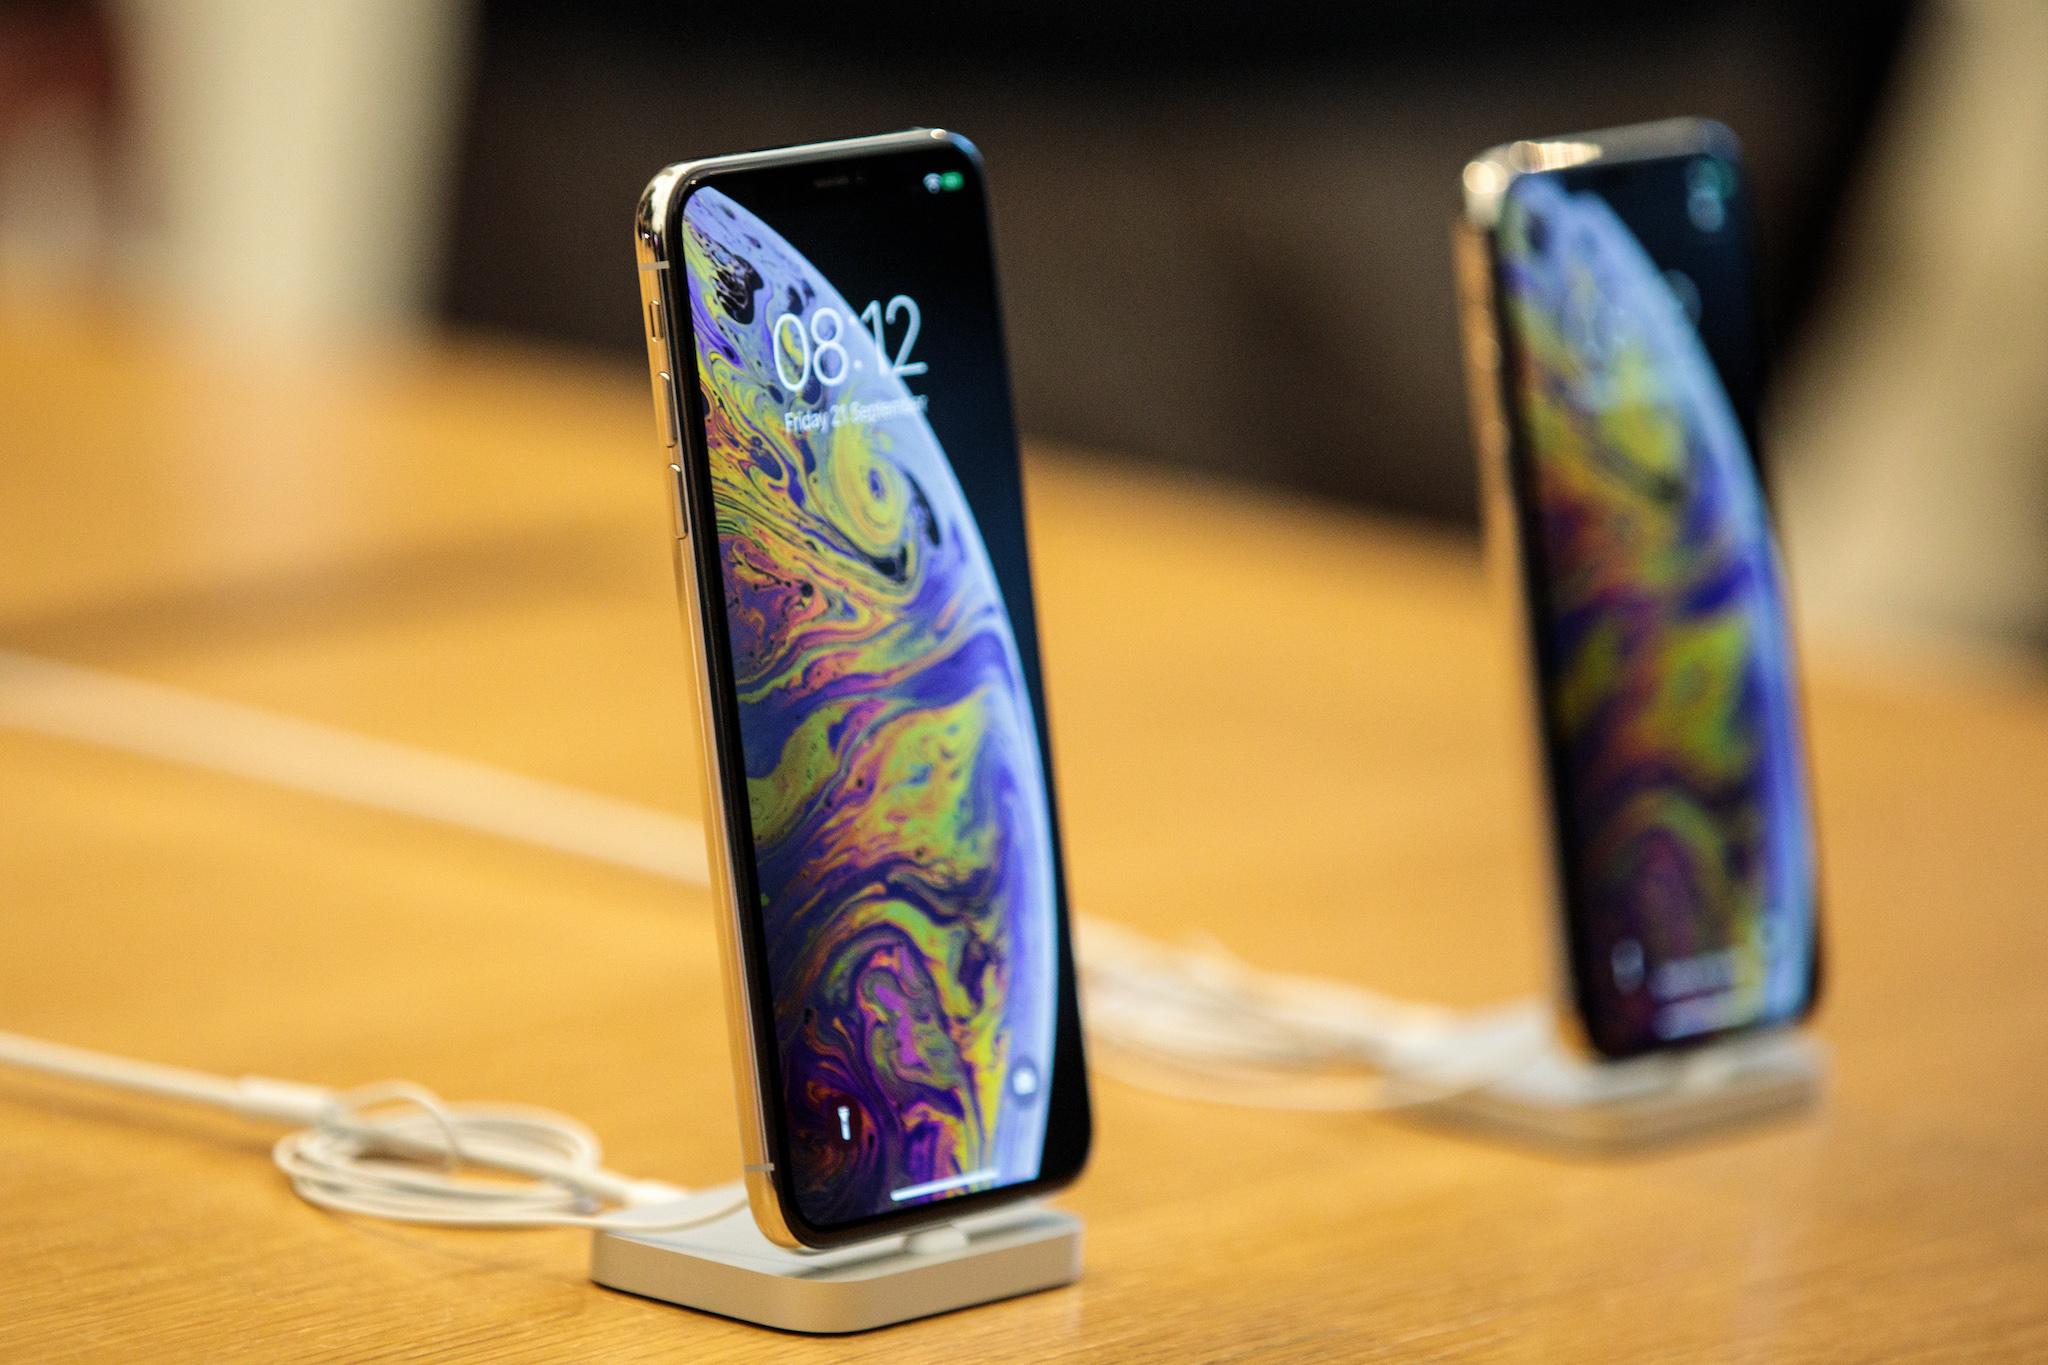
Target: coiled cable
397, 1151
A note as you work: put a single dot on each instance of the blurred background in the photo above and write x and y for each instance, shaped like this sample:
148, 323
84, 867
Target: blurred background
1223, 228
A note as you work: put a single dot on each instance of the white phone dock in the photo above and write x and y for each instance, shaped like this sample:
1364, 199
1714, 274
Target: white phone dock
727, 1267
1558, 1098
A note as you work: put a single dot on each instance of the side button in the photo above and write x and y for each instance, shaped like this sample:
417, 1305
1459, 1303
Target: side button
665, 408
679, 502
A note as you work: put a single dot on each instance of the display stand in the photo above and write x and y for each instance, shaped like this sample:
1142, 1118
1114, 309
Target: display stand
1561, 1099
727, 1267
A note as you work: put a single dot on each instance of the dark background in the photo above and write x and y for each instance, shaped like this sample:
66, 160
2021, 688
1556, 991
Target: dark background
1222, 230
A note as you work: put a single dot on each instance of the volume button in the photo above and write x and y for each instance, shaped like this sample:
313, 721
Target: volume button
665, 408
679, 502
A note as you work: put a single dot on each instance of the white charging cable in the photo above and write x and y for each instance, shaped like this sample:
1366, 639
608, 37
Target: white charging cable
1191, 1021
1187, 1020
1197, 1022
397, 1151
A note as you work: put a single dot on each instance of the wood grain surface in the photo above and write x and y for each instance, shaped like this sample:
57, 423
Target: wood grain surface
1275, 723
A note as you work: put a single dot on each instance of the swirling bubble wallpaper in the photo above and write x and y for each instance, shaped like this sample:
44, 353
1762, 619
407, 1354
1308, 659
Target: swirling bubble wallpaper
1670, 700
903, 841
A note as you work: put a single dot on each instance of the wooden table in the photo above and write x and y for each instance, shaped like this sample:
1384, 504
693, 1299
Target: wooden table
1277, 723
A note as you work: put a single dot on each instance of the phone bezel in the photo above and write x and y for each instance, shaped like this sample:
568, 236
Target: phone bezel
831, 167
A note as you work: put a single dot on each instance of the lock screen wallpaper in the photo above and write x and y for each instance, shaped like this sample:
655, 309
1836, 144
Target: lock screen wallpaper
1669, 696
903, 840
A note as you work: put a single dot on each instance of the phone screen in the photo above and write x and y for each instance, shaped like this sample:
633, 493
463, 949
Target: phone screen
1668, 696
880, 681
